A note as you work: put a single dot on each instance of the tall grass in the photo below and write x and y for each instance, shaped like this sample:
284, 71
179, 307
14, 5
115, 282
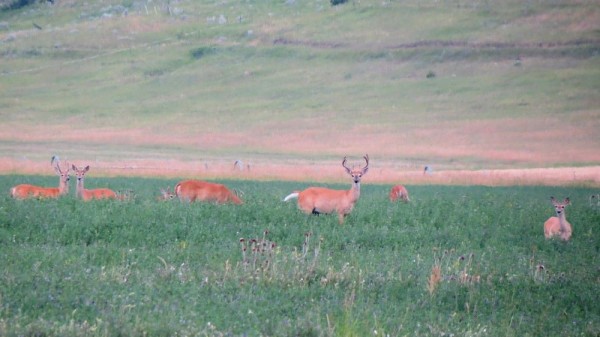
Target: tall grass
454, 261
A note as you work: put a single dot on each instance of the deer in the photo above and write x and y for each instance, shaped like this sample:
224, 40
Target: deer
24, 191
558, 225
165, 194
321, 200
197, 190
399, 192
87, 195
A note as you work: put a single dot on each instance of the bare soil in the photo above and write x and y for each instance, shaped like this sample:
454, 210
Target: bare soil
298, 170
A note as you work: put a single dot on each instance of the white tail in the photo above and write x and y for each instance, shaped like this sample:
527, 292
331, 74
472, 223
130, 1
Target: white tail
399, 192
317, 200
558, 225
291, 196
25, 191
86, 195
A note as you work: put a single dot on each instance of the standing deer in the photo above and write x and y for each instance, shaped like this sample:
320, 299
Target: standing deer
25, 191
196, 190
399, 192
558, 225
87, 195
317, 200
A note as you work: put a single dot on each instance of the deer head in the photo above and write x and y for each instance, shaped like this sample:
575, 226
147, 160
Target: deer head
355, 173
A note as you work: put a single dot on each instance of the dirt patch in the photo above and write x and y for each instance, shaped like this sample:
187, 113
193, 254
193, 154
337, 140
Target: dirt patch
306, 171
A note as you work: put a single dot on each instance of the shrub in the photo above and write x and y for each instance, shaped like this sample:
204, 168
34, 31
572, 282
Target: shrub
15, 4
337, 2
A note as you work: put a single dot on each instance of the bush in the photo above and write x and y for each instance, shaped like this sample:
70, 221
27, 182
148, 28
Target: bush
337, 2
8, 5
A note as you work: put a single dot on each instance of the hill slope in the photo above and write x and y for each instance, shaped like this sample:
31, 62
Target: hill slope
454, 84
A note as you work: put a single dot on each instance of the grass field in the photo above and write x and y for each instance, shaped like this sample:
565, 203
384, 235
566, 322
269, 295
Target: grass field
498, 97
455, 261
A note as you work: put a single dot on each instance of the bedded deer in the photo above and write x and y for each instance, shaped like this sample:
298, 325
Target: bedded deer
196, 190
317, 200
165, 194
24, 191
558, 225
87, 195
399, 192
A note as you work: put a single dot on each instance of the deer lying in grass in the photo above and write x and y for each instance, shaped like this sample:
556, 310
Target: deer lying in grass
165, 194
558, 225
87, 195
196, 190
399, 192
317, 200
25, 191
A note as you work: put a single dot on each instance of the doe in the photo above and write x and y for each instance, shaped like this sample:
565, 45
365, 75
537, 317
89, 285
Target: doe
558, 225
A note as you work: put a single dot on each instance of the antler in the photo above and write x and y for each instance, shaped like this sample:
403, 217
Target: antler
344, 165
55, 162
364, 169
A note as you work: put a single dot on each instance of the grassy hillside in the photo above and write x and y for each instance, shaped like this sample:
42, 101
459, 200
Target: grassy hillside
457, 84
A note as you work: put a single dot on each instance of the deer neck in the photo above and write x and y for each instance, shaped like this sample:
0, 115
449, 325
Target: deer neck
562, 220
79, 187
355, 191
63, 188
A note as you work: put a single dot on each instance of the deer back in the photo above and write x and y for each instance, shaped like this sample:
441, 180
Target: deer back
196, 190
325, 200
24, 191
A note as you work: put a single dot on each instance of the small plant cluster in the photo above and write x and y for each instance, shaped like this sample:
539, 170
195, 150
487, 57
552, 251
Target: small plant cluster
542, 274
262, 259
451, 268
257, 254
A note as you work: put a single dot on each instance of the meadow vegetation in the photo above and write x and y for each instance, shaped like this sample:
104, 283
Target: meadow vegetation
182, 89
455, 261
455, 84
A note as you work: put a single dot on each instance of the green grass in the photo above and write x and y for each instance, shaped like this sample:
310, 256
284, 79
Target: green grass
166, 268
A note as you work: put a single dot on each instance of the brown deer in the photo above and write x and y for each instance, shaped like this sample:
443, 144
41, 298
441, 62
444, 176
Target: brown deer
25, 191
399, 192
87, 195
165, 194
317, 200
558, 225
196, 190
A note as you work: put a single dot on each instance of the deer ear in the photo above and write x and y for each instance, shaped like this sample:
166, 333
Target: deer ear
567, 201
87, 168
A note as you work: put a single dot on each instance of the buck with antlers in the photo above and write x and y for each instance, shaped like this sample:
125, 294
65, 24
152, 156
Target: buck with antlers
87, 195
196, 190
558, 225
25, 191
317, 200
